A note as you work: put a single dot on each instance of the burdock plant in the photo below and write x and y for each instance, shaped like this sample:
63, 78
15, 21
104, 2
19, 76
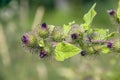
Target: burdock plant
68, 40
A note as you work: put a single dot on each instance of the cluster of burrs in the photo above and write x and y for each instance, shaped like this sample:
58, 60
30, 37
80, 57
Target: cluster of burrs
44, 38
64, 41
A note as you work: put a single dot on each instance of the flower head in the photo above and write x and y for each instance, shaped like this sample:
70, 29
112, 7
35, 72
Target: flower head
42, 54
29, 40
43, 30
74, 36
111, 12
25, 39
109, 44
43, 25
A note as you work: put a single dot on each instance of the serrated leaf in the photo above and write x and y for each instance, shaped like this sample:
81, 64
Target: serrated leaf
65, 50
67, 28
118, 11
88, 17
41, 43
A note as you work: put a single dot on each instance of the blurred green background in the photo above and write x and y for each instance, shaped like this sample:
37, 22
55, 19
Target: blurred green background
20, 16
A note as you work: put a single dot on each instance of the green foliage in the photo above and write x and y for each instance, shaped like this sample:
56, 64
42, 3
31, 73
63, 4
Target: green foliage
112, 34
41, 43
88, 17
67, 28
69, 40
118, 11
105, 50
65, 50
100, 34
51, 27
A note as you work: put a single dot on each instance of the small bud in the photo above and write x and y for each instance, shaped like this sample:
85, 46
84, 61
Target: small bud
42, 54
74, 36
29, 40
109, 44
25, 39
83, 53
112, 12
57, 34
44, 26
43, 30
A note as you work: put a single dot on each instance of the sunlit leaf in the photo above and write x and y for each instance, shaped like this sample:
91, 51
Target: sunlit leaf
100, 34
65, 50
118, 11
67, 28
51, 27
41, 43
112, 34
88, 17
105, 50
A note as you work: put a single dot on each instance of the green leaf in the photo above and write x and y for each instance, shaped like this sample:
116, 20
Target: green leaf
118, 11
100, 34
41, 43
112, 34
65, 50
117, 45
51, 27
67, 28
88, 17
105, 50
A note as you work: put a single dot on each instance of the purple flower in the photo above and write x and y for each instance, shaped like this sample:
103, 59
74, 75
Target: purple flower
42, 54
74, 36
109, 44
83, 53
43, 25
25, 39
111, 12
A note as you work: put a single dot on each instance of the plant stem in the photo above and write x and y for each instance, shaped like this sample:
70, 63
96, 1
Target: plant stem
99, 41
81, 44
91, 44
